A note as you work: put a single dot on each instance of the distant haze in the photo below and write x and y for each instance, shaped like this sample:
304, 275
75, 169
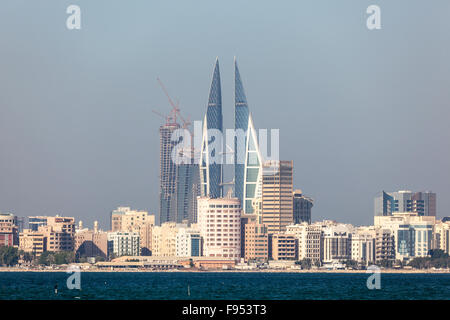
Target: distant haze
359, 111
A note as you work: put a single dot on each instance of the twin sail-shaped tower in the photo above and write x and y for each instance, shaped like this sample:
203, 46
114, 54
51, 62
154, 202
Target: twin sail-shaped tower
247, 156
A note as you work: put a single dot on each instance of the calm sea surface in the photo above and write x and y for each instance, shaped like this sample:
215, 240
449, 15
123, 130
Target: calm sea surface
176, 285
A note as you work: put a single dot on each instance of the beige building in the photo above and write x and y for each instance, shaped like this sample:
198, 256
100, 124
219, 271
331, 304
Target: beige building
310, 240
124, 219
284, 247
277, 195
413, 234
164, 243
33, 242
219, 221
256, 242
363, 245
442, 236
91, 243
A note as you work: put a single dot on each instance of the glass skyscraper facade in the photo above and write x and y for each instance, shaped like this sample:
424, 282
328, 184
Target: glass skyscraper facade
211, 171
240, 122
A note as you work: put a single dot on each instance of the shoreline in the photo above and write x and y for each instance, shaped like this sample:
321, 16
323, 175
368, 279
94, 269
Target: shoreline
389, 271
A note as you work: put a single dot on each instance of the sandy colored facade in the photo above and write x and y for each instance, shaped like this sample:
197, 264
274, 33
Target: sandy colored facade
277, 195
124, 219
256, 242
165, 239
284, 247
33, 242
219, 221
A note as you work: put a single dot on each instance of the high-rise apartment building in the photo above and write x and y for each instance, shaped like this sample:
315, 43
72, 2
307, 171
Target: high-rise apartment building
211, 170
277, 199
302, 207
219, 220
424, 203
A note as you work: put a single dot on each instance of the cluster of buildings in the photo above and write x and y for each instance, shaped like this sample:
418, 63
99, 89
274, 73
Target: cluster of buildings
261, 219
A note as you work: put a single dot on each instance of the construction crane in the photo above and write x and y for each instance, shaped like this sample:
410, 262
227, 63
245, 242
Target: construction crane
175, 112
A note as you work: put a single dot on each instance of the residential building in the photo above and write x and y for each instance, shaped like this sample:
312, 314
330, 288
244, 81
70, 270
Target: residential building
363, 245
442, 236
310, 240
165, 239
188, 243
256, 242
413, 233
9, 232
337, 243
124, 219
34, 242
91, 243
284, 247
123, 244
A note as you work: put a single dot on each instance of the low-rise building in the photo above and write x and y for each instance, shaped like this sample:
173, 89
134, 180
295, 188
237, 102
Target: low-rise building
9, 232
123, 244
188, 243
284, 246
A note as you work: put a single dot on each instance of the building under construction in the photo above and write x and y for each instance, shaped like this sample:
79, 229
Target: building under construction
179, 183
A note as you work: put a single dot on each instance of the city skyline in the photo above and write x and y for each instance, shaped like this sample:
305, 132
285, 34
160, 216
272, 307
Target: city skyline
82, 141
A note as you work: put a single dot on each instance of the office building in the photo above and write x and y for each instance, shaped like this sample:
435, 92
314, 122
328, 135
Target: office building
211, 170
277, 195
302, 207
423, 203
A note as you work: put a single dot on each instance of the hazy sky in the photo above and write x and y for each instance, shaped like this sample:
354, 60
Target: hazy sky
359, 111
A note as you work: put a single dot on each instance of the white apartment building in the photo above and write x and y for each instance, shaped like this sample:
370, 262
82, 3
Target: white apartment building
442, 236
219, 221
363, 245
123, 244
309, 238
413, 234
188, 243
336, 242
